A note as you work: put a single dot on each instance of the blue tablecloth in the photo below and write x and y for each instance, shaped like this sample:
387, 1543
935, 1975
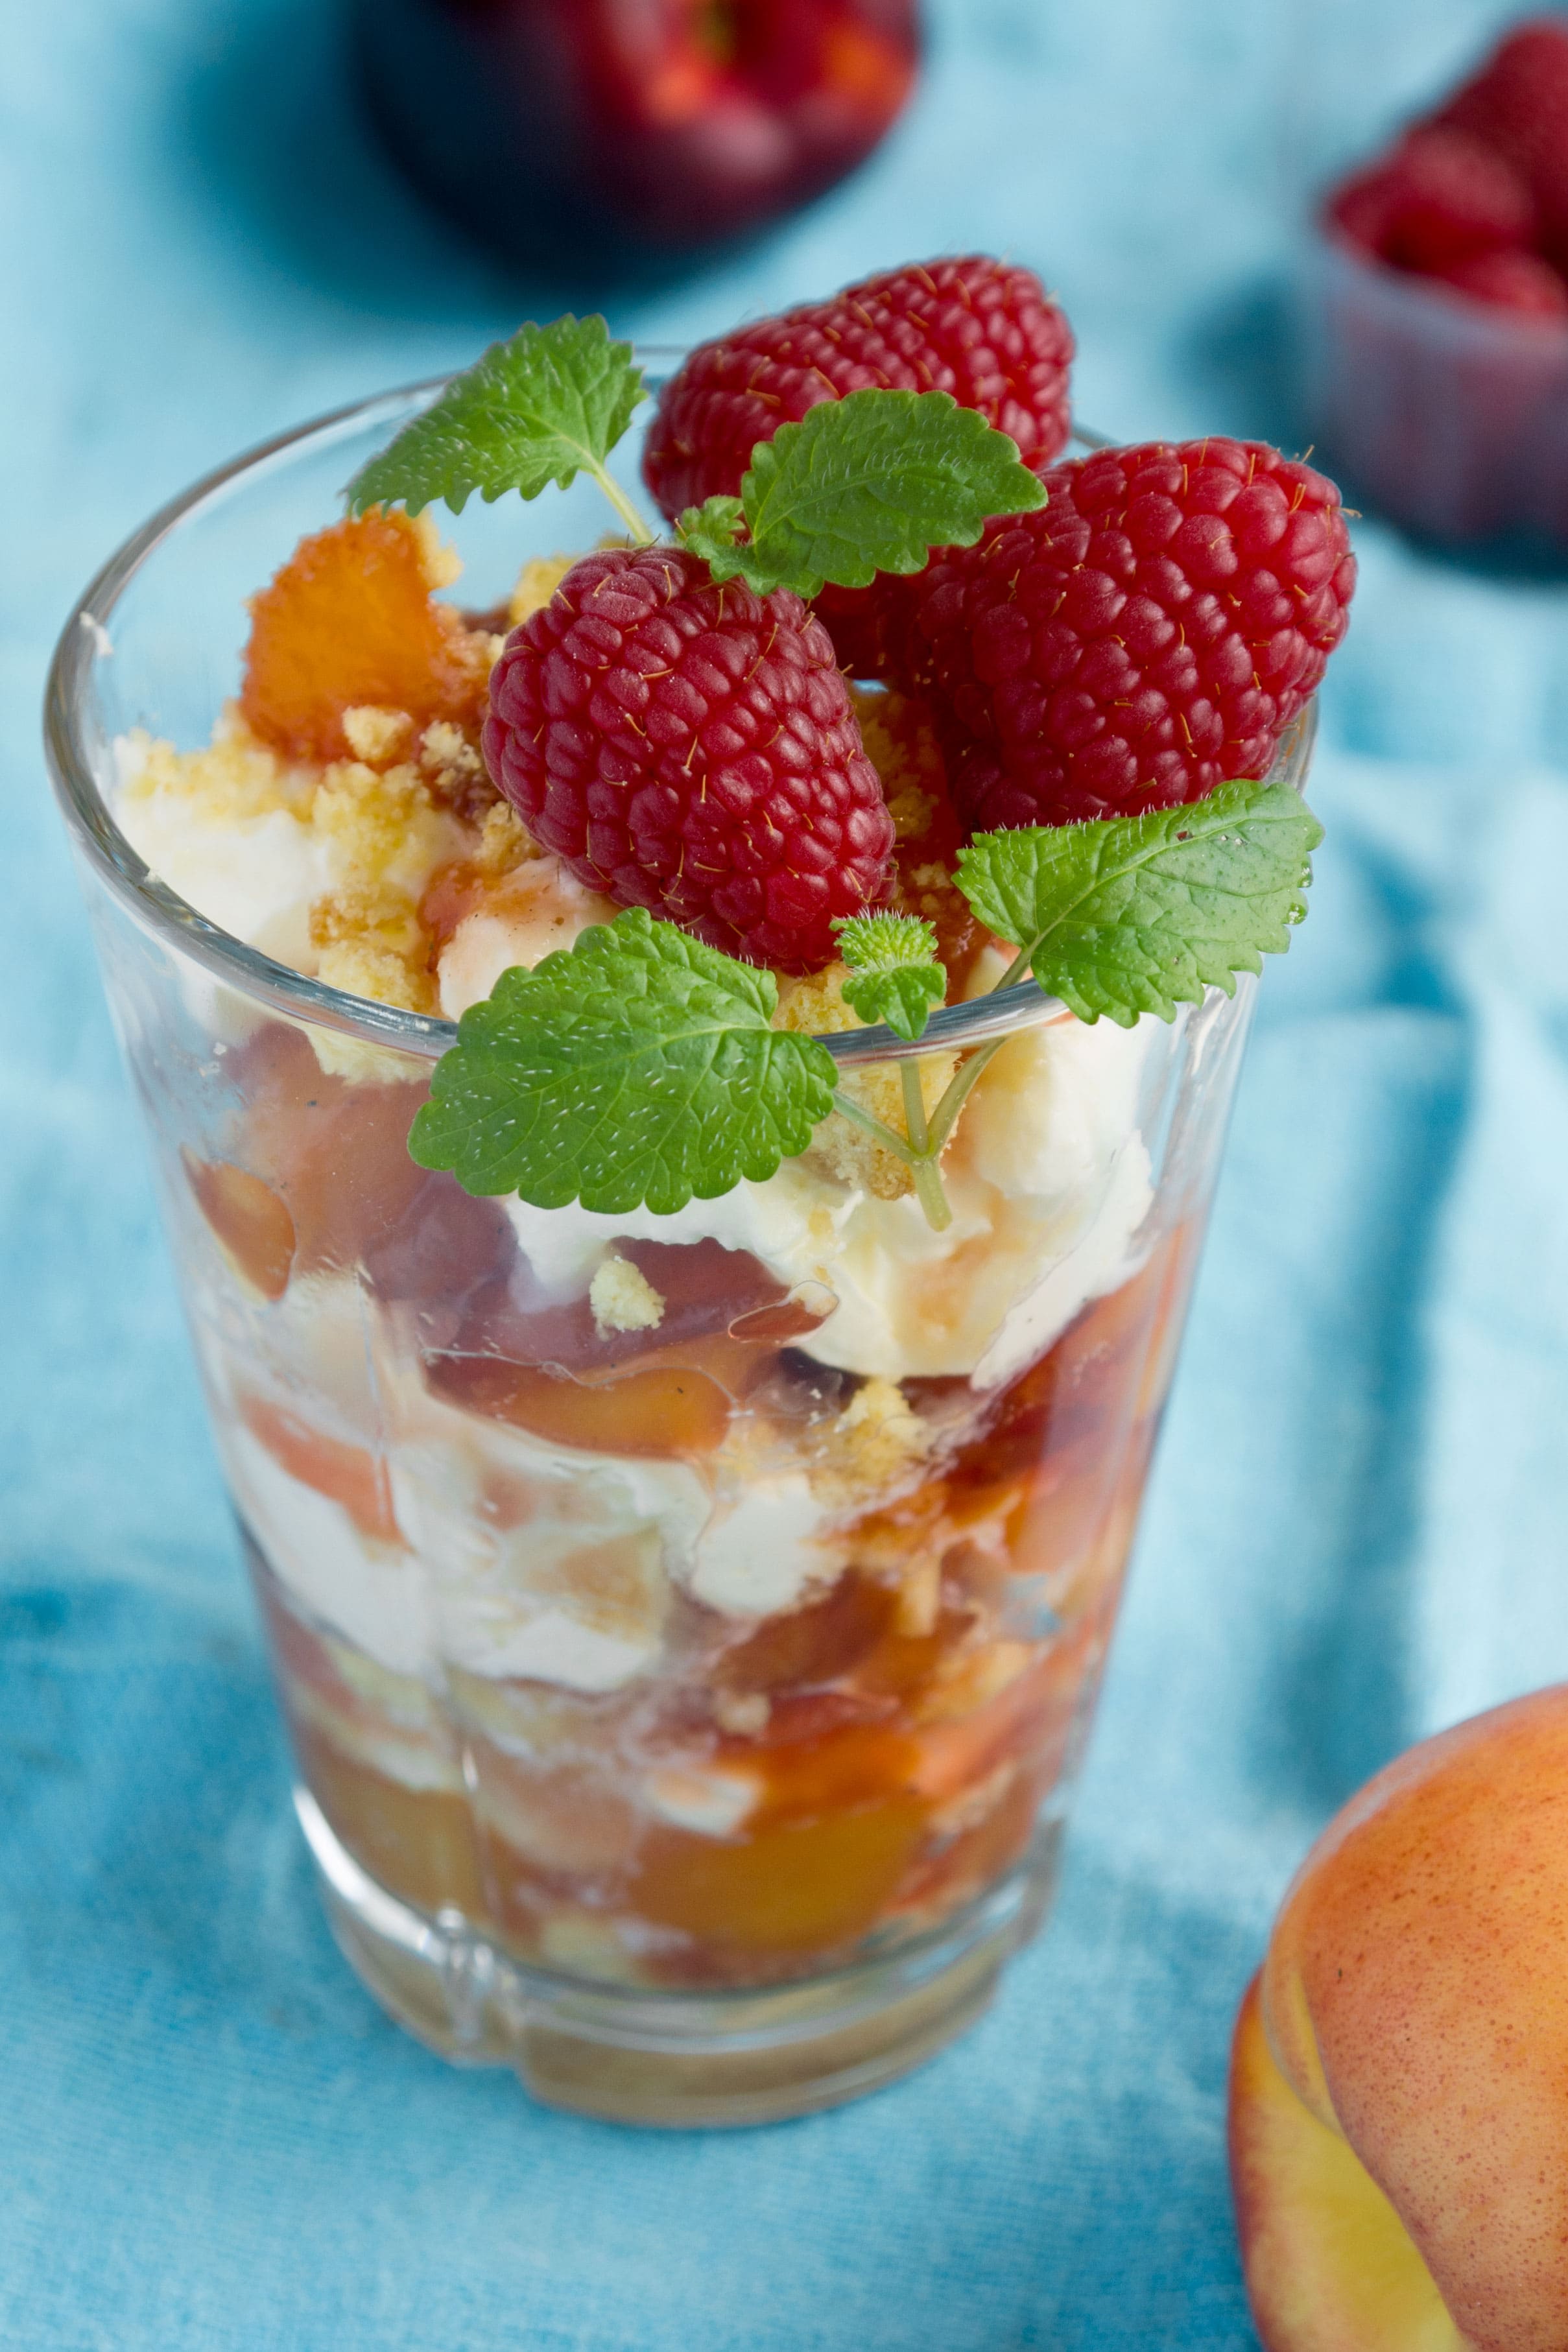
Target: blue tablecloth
208, 2136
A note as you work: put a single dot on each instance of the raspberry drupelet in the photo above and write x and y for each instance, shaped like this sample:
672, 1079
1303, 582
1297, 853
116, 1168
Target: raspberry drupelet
692, 749
982, 330
1148, 634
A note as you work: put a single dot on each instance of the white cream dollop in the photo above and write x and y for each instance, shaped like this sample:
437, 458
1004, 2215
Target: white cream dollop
540, 906
1048, 1179
256, 877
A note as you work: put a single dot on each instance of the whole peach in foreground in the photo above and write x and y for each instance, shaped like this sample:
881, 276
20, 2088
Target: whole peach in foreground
1399, 2083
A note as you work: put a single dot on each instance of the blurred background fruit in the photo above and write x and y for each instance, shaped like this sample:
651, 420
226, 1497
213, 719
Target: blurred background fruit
621, 140
1437, 345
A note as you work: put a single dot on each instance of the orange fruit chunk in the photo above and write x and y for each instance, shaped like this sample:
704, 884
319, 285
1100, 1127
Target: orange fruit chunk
351, 619
673, 1412
255, 1227
349, 1475
797, 1888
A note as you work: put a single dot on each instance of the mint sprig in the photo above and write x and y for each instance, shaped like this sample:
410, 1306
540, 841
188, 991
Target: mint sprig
545, 406
866, 484
893, 972
1132, 914
640, 1068
636, 1068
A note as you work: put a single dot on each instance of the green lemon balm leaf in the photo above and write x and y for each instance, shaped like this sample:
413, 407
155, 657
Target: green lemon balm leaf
549, 405
872, 483
1133, 914
709, 530
636, 1068
894, 975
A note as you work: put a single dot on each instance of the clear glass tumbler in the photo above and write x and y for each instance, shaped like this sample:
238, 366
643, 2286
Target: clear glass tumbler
684, 1716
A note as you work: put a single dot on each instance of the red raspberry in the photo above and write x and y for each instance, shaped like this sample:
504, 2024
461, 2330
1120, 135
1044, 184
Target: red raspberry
979, 328
1520, 282
1148, 635
692, 749
1438, 199
1518, 105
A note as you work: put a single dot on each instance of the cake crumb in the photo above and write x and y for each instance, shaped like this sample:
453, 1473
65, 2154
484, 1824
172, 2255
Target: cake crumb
375, 735
505, 843
624, 1299
839, 1148
879, 1433
236, 777
438, 559
388, 837
743, 1713
536, 584
903, 749
453, 768
371, 943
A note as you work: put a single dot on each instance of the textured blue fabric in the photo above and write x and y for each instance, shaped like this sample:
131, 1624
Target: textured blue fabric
208, 2136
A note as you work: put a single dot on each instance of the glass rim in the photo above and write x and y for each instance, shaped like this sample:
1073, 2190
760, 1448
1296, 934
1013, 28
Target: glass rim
295, 995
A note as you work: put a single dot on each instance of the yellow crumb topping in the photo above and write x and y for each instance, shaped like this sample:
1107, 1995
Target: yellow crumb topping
870, 1454
623, 1298
878, 1432
505, 843
839, 1148
438, 559
236, 777
387, 836
901, 748
378, 736
536, 584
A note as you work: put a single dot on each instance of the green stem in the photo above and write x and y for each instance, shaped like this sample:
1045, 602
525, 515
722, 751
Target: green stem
637, 528
914, 1105
919, 1157
872, 1125
952, 1101
932, 1198
929, 1189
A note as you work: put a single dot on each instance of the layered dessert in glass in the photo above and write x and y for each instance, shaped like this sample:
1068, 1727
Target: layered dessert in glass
688, 1616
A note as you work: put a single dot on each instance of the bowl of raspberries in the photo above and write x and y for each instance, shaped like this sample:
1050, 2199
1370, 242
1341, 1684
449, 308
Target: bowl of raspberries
1436, 308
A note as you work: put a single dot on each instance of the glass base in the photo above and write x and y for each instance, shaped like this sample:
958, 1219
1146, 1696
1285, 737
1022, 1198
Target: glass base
678, 2059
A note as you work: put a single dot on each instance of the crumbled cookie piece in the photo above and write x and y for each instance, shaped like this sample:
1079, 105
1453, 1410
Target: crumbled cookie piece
505, 843
623, 1298
743, 1713
377, 736
387, 836
438, 559
873, 1441
536, 584
453, 767
371, 943
902, 748
840, 1149
237, 776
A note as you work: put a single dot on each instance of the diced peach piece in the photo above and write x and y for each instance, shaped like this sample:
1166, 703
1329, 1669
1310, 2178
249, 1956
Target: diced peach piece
351, 1475
836, 1767
803, 1649
336, 1153
797, 1888
251, 1222
1399, 2091
349, 620
418, 1842
671, 1413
